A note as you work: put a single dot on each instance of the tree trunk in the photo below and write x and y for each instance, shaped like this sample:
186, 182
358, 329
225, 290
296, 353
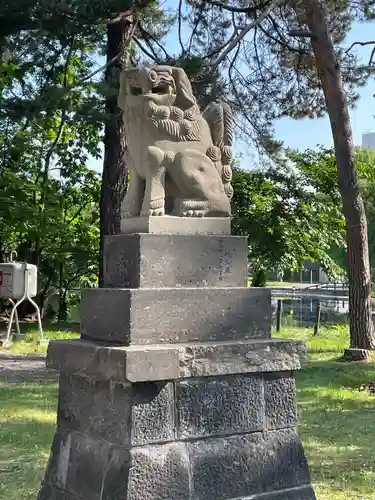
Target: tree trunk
328, 67
115, 172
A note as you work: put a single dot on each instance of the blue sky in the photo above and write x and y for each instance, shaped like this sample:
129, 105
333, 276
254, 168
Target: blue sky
308, 133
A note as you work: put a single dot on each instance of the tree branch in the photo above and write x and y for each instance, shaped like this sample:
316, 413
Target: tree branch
230, 8
180, 27
145, 51
147, 36
111, 61
237, 39
370, 42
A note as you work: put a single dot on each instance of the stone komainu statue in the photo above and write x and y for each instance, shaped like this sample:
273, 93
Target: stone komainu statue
179, 158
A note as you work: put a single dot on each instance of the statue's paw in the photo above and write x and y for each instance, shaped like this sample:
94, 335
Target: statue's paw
153, 212
193, 213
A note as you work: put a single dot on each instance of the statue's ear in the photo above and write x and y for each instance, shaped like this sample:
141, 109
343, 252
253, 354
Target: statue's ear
184, 92
126, 76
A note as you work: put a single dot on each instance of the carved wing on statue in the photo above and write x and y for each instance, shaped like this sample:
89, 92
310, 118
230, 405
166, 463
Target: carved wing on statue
219, 117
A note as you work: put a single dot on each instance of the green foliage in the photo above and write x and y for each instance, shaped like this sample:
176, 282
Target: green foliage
260, 278
287, 218
321, 168
52, 115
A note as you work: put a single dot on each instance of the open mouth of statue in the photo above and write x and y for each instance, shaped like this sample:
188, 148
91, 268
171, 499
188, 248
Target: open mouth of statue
162, 88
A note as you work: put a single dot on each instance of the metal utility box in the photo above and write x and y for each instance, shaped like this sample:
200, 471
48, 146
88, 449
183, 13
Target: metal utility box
12, 279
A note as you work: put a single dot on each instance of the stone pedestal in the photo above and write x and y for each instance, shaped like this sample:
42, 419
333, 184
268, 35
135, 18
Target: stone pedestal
176, 390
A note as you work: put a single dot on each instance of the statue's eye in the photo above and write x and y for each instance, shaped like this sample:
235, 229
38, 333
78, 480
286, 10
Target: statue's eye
135, 91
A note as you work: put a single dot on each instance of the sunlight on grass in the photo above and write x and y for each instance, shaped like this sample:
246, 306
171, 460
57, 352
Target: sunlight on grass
337, 421
337, 418
27, 421
30, 344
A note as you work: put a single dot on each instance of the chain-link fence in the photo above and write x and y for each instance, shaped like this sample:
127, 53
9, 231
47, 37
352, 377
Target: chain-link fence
309, 311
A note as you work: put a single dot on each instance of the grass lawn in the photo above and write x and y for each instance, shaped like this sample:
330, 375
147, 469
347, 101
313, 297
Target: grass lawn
337, 423
30, 343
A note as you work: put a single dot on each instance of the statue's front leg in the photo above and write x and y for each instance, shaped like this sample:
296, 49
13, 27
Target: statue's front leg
154, 198
131, 205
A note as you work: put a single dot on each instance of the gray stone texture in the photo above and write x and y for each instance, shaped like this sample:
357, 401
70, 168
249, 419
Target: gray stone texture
281, 402
88, 468
244, 465
235, 467
153, 413
164, 362
160, 472
96, 408
123, 414
151, 316
48, 492
224, 405
162, 261
176, 225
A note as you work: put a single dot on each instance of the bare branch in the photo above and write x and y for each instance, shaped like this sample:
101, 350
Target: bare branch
180, 26
371, 60
370, 42
111, 61
147, 37
222, 47
230, 8
237, 39
145, 51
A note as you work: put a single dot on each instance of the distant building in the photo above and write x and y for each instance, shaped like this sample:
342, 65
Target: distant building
310, 272
368, 140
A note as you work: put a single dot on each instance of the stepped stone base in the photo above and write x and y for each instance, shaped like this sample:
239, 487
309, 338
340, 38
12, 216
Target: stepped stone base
176, 390
212, 433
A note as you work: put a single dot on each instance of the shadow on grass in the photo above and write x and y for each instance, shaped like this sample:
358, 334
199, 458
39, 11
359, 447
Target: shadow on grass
27, 420
337, 422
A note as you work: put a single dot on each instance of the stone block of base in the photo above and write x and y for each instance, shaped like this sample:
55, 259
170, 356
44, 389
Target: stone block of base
175, 315
162, 362
165, 261
169, 224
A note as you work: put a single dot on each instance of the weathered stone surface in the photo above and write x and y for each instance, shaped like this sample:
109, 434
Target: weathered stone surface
160, 472
257, 466
152, 413
162, 261
176, 225
243, 465
47, 492
258, 355
87, 468
225, 405
100, 409
163, 362
179, 158
149, 316
119, 413
280, 396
